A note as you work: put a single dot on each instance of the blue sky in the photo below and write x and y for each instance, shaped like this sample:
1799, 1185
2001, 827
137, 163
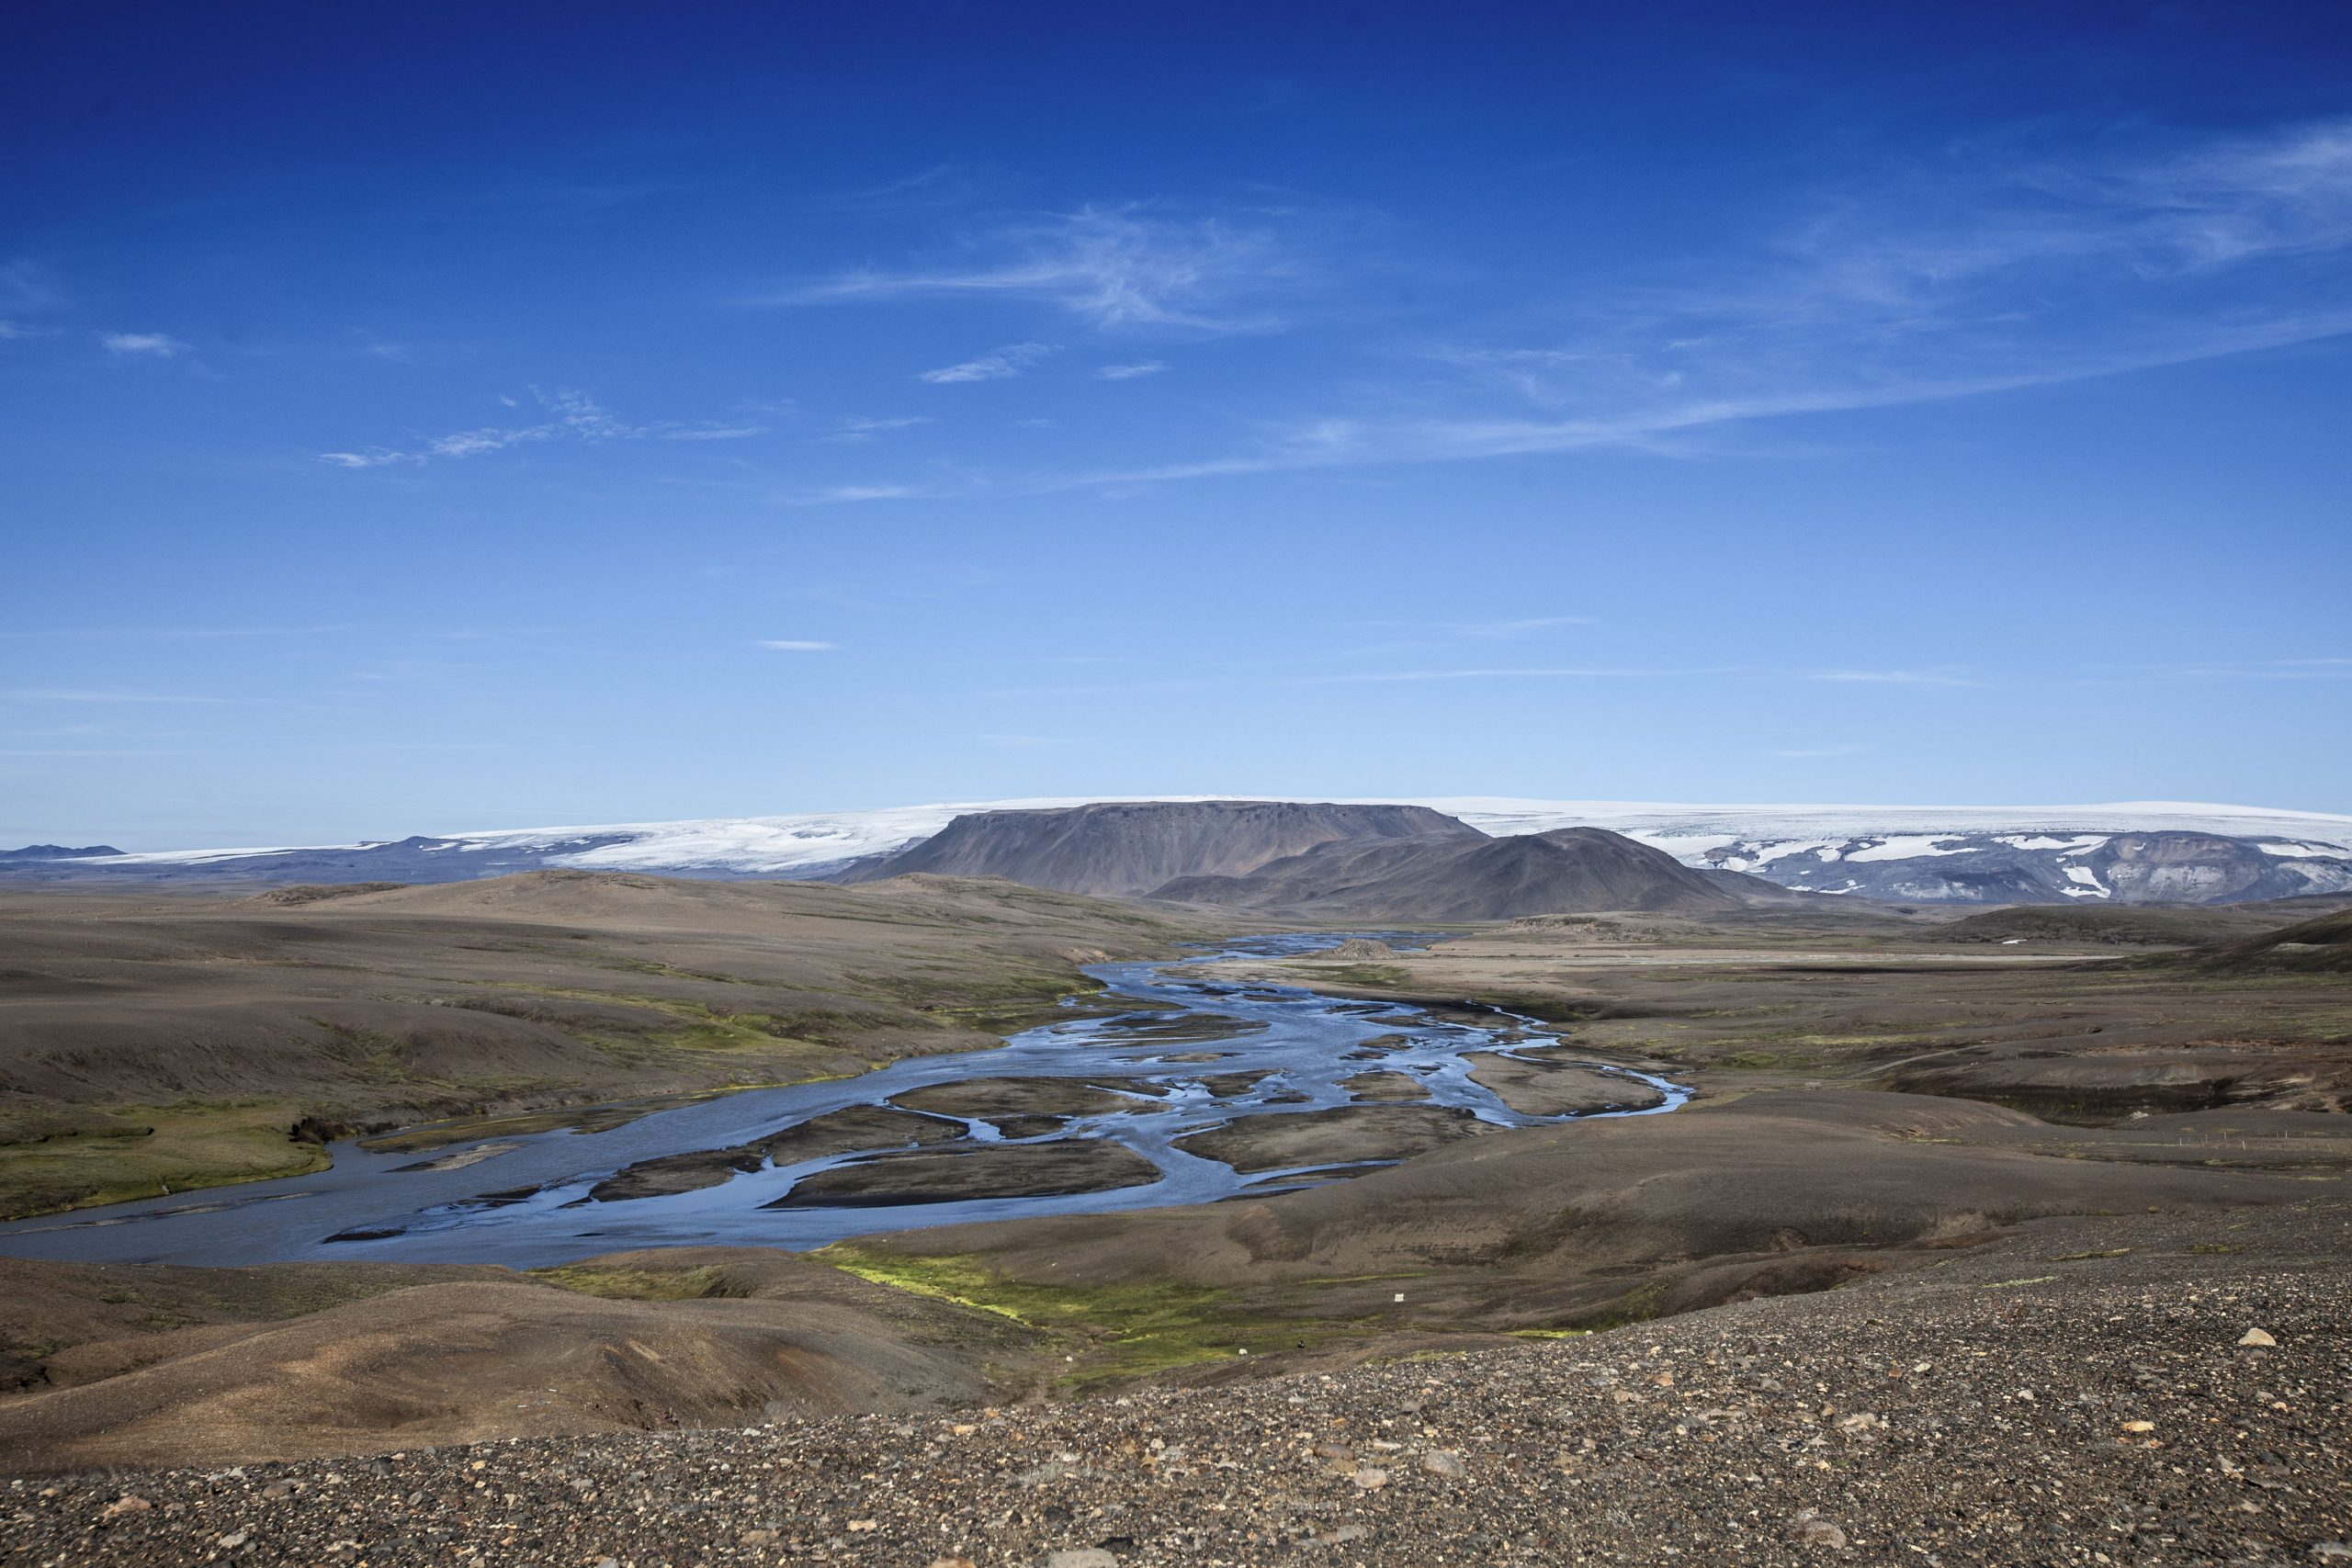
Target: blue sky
432, 417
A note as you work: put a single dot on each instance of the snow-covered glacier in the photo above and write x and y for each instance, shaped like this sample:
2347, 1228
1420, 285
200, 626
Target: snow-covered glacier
2135, 852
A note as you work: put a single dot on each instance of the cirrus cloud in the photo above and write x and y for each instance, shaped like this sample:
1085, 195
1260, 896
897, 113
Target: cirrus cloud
142, 346
997, 364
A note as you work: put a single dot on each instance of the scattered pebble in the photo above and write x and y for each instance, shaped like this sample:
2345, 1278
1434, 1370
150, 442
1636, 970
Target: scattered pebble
1810, 1529
1519, 1457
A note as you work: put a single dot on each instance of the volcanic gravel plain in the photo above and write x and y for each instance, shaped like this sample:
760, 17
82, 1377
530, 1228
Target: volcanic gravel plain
2070, 1393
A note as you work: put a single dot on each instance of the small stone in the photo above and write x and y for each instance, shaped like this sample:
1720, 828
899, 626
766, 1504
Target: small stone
935, 1562
859, 1526
1439, 1461
2138, 1426
1344, 1533
757, 1538
1809, 1529
2257, 1338
278, 1489
1082, 1557
125, 1505
2332, 1551
1371, 1479
235, 1540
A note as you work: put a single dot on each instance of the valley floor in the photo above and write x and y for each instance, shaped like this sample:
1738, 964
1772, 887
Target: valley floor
1959, 1255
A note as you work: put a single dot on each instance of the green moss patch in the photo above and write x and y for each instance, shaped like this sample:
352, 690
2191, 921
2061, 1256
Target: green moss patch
634, 1284
1113, 1334
79, 1158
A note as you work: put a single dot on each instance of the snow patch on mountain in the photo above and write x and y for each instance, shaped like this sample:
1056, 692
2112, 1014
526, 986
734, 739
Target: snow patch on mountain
1977, 854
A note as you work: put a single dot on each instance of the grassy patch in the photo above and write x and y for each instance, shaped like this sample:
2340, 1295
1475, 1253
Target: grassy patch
1639, 1304
2083, 1256
1755, 1061
1116, 1334
1387, 976
81, 1157
634, 1285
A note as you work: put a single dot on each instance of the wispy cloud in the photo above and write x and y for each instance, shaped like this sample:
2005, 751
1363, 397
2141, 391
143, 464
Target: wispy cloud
570, 416
127, 634
1024, 742
102, 695
838, 495
1136, 371
27, 287
1518, 627
1892, 677
1112, 266
2262, 669
796, 645
940, 185
856, 429
2004, 267
997, 364
1589, 672
1274, 675
2002, 270
142, 346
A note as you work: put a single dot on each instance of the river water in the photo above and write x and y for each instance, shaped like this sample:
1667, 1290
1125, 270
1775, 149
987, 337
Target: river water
526, 1205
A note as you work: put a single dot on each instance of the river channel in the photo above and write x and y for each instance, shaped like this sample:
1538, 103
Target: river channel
1195, 1054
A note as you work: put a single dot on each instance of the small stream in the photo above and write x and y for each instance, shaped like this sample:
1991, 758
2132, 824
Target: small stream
525, 1202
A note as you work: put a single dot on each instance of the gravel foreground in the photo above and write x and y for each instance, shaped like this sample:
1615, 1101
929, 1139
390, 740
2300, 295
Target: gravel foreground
2023, 1405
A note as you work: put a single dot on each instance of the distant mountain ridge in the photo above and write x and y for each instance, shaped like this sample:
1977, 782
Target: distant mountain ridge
1467, 875
2166, 867
2130, 852
56, 851
1129, 848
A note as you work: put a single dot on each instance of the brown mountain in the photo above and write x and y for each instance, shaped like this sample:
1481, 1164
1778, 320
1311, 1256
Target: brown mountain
1129, 848
2322, 946
1469, 877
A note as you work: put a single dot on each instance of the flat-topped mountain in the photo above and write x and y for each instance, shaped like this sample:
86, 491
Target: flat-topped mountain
1132, 847
1466, 875
2134, 852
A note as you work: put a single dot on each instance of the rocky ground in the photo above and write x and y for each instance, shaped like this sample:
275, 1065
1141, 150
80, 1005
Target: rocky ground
2038, 1401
